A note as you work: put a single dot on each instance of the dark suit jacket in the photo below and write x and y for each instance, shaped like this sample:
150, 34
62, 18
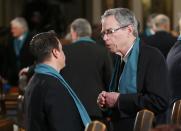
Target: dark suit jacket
88, 71
174, 67
49, 106
25, 58
152, 88
161, 40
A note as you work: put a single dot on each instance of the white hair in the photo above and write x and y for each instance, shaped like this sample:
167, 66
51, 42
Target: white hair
161, 20
20, 22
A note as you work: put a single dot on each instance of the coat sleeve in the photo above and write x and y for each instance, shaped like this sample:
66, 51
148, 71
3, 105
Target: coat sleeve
107, 69
152, 91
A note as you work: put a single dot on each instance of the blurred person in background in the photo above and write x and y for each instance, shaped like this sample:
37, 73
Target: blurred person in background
162, 39
88, 66
150, 27
18, 55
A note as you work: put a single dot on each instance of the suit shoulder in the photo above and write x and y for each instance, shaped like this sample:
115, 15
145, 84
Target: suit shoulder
151, 55
44, 80
150, 51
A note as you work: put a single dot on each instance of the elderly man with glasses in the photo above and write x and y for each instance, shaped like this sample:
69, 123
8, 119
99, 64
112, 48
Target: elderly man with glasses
139, 80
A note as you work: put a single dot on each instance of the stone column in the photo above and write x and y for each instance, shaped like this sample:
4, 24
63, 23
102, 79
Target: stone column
176, 12
96, 11
137, 9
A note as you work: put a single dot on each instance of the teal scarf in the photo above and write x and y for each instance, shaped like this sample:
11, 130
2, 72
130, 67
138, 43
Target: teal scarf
45, 69
86, 39
148, 32
128, 79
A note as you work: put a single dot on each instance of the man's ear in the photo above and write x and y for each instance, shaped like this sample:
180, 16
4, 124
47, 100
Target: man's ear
55, 53
130, 29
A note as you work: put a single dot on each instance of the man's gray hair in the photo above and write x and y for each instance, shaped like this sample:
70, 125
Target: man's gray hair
124, 17
20, 22
160, 20
82, 27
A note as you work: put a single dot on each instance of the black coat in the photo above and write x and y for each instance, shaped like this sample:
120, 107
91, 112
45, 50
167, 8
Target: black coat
174, 67
49, 106
152, 89
161, 40
88, 71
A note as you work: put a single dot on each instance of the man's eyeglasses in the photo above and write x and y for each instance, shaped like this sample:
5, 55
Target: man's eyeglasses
110, 31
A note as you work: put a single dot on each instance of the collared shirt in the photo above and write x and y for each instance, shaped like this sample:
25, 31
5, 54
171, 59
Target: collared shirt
21, 37
125, 58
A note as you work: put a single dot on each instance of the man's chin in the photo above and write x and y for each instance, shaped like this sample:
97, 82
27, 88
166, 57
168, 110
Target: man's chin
111, 50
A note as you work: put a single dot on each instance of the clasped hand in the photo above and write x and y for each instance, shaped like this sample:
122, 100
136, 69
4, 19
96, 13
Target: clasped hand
107, 99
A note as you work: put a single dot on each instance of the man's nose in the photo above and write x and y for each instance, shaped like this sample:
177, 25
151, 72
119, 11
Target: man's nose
105, 37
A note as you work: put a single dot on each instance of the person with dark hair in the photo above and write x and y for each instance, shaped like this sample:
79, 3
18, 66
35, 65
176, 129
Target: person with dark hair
50, 103
140, 76
36, 13
150, 27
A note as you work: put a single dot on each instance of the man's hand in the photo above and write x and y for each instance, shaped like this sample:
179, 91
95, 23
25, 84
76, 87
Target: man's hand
23, 71
101, 99
107, 99
111, 99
